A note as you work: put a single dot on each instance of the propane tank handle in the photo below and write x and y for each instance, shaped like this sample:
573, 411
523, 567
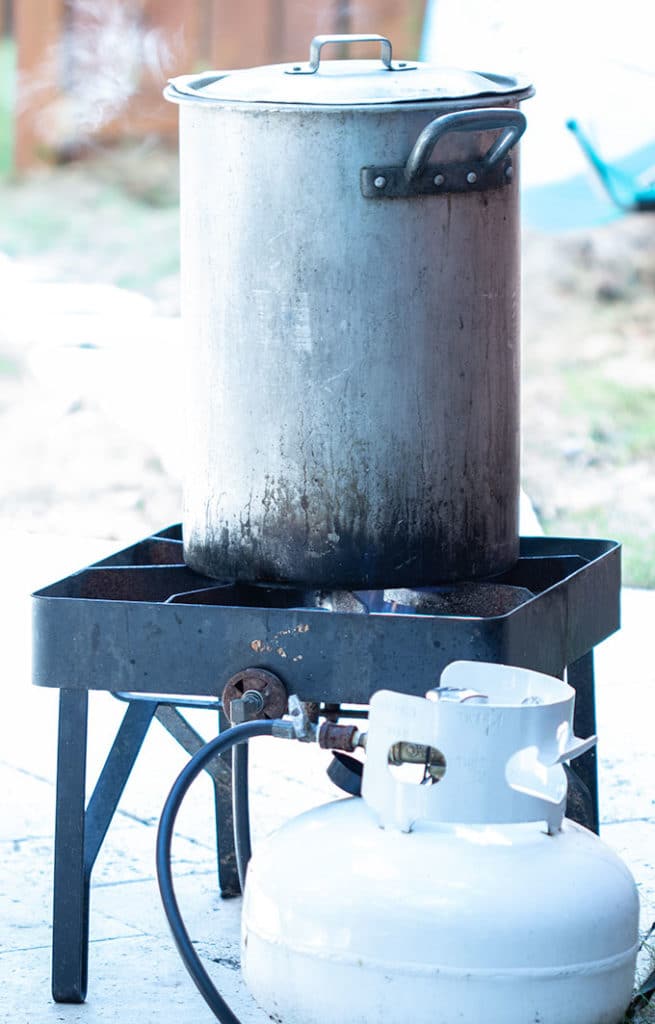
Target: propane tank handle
318, 42
512, 121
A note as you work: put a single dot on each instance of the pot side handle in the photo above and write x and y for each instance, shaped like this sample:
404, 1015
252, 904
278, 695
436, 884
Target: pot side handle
418, 178
513, 123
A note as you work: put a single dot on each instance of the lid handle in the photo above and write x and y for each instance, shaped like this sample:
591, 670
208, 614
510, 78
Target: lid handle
318, 42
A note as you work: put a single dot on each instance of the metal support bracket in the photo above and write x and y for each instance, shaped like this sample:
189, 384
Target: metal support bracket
435, 180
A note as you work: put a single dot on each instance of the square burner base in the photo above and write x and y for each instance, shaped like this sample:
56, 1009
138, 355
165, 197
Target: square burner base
142, 621
142, 624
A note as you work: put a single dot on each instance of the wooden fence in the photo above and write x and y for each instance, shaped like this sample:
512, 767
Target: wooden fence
93, 70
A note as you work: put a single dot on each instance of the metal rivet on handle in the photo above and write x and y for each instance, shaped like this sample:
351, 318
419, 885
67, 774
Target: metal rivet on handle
471, 177
438, 179
380, 181
509, 172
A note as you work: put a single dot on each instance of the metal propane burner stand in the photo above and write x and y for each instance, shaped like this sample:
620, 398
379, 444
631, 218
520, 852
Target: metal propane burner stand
143, 626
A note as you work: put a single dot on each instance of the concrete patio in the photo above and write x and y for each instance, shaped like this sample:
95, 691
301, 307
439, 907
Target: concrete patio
135, 973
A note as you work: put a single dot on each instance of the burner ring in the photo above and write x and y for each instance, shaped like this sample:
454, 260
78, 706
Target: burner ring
272, 690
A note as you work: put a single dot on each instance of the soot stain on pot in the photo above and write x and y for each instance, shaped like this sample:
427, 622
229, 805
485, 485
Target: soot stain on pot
354, 562
245, 519
343, 529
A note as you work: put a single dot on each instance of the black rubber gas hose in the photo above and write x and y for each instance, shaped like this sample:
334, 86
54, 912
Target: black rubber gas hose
228, 739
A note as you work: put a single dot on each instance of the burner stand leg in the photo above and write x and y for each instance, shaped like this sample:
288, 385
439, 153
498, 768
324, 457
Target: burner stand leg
79, 835
580, 675
70, 916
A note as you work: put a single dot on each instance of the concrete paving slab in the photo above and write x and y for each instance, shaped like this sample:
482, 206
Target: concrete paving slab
27, 804
121, 970
214, 924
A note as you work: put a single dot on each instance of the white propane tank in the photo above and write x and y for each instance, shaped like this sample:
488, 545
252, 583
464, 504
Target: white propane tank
467, 901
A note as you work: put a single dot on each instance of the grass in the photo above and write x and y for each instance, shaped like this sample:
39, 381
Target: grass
637, 540
641, 1016
645, 965
621, 419
8, 366
84, 225
638, 561
589, 385
617, 422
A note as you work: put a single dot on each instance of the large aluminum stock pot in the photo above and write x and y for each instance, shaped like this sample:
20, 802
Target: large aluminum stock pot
350, 267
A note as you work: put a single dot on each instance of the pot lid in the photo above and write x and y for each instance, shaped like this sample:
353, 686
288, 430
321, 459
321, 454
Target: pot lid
344, 82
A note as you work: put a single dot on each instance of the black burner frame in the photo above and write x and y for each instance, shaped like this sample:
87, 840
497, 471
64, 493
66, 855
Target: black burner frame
143, 626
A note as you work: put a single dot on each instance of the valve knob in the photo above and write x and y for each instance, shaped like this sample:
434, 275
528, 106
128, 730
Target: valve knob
262, 689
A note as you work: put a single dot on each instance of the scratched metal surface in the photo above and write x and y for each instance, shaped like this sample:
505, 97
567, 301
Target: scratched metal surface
353, 413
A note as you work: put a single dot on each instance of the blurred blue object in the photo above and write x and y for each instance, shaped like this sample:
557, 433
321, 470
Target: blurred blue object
566, 184
624, 188
574, 203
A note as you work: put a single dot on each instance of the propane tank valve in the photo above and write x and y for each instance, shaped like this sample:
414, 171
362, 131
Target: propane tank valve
418, 753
